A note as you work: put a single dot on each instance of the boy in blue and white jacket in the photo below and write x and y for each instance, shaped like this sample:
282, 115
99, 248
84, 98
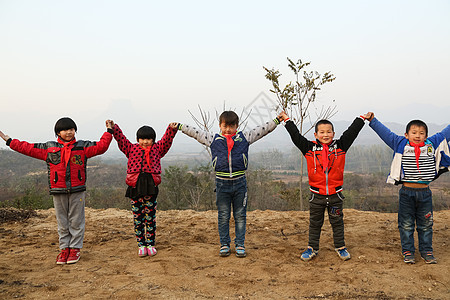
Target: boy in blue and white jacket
418, 160
229, 151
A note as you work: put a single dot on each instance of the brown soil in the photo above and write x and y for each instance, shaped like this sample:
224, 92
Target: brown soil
187, 265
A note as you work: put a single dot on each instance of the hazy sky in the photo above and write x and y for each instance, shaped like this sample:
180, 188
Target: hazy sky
149, 62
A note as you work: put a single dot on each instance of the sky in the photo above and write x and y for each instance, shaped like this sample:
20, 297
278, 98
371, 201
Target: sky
151, 62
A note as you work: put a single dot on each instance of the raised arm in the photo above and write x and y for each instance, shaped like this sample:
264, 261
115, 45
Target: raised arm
122, 141
203, 137
100, 147
165, 142
299, 140
261, 130
390, 138
349, 136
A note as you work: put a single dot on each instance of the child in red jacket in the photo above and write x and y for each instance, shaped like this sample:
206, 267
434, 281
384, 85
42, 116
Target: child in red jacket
66, 160
143, 178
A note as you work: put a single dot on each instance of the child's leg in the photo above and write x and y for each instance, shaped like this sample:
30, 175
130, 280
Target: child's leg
406, 218
224, 198
336, 217
425, 220
61, 204
150, 220
137, 206
76, 219
317, 205
240, 209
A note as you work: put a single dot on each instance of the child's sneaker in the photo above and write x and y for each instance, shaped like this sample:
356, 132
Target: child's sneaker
142, 251
308, 254
151, 250
240, 251
61, 259
428, 257
343, 253
74, 255
224, 250
408, 257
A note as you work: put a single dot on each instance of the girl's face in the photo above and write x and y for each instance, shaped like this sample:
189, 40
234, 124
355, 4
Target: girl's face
67, 135
324, 134
145, 143
416, 134
228, 129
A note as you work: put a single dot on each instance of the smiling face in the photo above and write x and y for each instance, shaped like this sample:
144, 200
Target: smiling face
324, 133
67, 135
416, 134
145, 143
227, 128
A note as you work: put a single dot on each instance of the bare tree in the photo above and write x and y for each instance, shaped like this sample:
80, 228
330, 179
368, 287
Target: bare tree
298, 97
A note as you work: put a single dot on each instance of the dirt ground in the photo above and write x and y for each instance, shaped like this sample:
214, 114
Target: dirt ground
187, 265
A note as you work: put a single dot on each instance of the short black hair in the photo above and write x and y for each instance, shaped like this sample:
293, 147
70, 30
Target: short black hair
65, 124
418, 123
323, 122
146, 132
229, 117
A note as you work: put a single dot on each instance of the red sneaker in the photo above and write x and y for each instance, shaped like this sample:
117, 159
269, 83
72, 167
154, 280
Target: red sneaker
61, 259
74, 256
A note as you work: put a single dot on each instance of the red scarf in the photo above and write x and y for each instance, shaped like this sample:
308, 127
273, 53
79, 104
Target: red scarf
65, 151
147, 155
230, 143
417, 152
325, 152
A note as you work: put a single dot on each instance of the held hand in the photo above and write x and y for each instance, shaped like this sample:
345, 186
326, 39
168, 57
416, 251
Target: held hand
4, 136
369, 116
109, 124
173, 125
282, 116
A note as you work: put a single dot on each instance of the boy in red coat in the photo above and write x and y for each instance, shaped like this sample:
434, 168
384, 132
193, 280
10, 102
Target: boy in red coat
66, 161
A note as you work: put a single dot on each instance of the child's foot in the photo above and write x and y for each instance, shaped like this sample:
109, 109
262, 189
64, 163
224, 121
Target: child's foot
428, 257
240, 251
308, 254
61, 259
343, 253
224, 250
142, 251
74, 255
408, 257
151, 250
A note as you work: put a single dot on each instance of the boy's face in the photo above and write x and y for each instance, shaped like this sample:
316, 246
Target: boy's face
145, 143
324, 134
67, 135
416, 134
228, 129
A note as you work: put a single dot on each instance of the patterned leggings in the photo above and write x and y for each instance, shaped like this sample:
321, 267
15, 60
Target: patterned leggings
144, 211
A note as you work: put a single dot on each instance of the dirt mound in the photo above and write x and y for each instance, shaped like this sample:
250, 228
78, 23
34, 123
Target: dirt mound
187, 265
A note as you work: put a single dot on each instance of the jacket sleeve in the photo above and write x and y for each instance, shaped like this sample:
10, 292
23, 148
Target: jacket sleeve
390, 138
437, 138
260, 131
299, 140
349, 136
38, 151
122, 142
165, 142
99, 147
203, 137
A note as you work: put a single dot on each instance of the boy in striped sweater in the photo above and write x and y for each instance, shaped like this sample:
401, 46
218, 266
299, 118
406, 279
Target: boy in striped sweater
418, 160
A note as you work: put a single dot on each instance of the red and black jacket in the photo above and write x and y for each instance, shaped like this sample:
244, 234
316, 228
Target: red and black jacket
70, 178
330, 181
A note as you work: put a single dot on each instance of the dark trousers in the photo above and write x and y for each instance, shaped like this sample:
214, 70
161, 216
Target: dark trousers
144, 215
317, 205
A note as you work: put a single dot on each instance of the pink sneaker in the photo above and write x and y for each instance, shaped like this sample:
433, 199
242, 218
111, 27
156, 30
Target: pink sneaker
142, 251
151, 250
74, 255
61, 259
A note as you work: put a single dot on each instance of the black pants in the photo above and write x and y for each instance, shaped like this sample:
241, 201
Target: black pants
317, 205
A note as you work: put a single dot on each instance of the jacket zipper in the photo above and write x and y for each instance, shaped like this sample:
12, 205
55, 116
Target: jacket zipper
229, 164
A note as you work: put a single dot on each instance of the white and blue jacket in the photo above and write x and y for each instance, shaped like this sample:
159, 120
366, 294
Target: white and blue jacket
439, 143
236, 164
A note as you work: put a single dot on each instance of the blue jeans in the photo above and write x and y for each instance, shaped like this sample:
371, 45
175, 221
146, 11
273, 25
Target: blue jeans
232, 192
415, 208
